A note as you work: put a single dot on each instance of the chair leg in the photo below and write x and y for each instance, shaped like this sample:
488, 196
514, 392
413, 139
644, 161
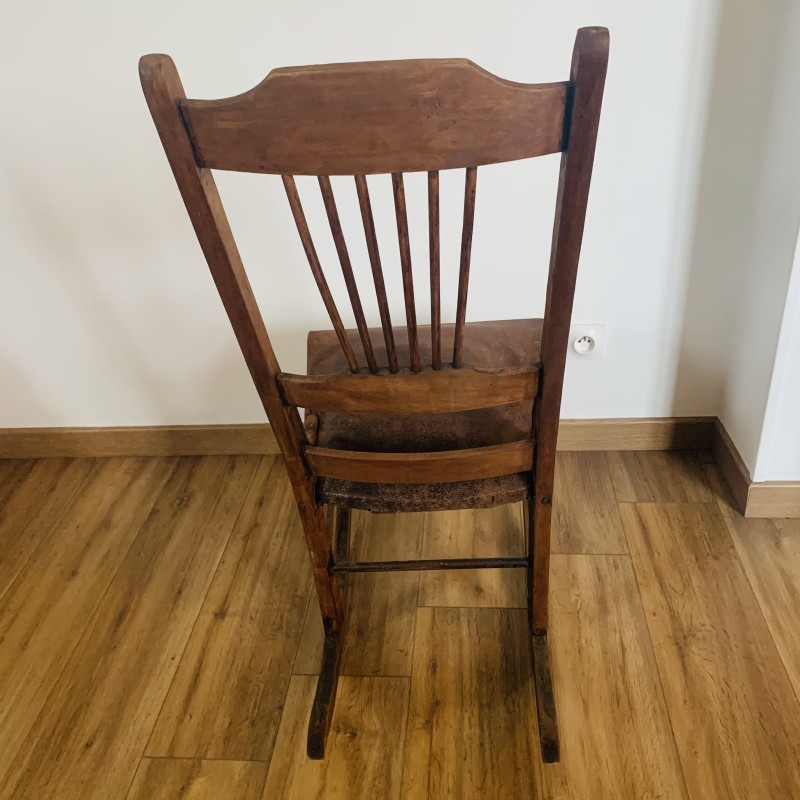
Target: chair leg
322, 710
319, 547
538, 520
341, 533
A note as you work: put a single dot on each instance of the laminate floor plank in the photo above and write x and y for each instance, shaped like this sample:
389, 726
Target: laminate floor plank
381, 608
228, 693
364, 753
472, 718
196, 779
88, 739
47, 609
770, 552
585, 512
12, 473
735, 716
616, 738
36, 494
479, 533
660, 476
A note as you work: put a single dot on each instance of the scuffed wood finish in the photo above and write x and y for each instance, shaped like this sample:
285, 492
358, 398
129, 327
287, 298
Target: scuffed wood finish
90, 735
347, 269
377, 117
429, 392
437, 467
495, 345
658, 477
735, 717
616, 736
470, 187
316, 268
196, 779
396, 117
472, 719
549, 744
47, 608
585, 514
587, 80
377, 271
364, 751
227, 696
769, 550
435, 264
321, 717
405, 267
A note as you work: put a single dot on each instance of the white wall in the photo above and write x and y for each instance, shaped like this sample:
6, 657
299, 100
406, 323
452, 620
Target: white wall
747, 222
107, 313
779, 451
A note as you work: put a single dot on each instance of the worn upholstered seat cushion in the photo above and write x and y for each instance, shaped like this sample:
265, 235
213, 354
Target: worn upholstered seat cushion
488, 345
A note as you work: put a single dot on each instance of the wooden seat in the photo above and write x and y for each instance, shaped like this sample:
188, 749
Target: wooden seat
487, 345
412, 417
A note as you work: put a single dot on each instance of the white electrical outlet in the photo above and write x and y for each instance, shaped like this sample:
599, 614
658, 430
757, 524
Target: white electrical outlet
588, 341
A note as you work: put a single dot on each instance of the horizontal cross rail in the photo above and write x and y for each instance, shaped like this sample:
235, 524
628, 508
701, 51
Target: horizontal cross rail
435, 563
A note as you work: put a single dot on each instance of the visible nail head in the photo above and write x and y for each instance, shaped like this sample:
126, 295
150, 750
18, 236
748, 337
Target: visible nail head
546, 501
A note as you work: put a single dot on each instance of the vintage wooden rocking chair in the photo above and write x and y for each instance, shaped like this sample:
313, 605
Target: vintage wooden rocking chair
392, 424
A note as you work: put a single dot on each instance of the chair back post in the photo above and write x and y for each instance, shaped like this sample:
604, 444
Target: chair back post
163, 91
585, 95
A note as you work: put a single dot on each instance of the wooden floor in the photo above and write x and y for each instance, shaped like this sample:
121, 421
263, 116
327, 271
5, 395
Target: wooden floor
158, 639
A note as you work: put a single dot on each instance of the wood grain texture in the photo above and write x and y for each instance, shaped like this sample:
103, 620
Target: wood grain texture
196, 779
381, 609
728, 688
227, 696
47, 608
486, 532
769, 550
647, 433
428, 392
587, 82
658, 477
12, 473
88, 739
731, 465
259, 438
585, 514
364, 752
467, 226
434, 248
472, 720
163, 91
316, 269
162, 440
332, 213
401, 216
735, 717
473, 463
780, 499
774, 499
377, 117
616, 739
373, 251
36, 495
